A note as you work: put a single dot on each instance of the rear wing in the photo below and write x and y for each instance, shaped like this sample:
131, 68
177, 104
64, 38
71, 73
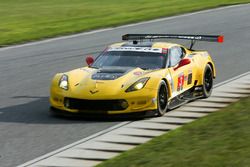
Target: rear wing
193, 38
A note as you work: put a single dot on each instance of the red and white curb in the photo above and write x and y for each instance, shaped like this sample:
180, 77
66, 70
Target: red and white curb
109, 143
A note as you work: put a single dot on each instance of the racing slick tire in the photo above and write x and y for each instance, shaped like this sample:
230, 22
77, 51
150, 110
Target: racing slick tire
207, 86
162, 99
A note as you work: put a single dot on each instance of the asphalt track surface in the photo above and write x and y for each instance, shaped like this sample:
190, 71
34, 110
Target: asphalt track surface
26, 129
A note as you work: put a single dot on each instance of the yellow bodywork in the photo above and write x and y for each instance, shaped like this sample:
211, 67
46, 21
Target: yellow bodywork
81, 86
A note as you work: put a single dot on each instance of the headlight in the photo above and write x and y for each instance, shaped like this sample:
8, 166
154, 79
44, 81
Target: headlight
138, 85
63, 82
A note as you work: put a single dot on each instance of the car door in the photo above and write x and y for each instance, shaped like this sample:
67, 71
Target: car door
179, 70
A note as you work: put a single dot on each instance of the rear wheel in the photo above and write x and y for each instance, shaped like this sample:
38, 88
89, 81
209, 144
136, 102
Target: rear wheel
162, 99
207, 86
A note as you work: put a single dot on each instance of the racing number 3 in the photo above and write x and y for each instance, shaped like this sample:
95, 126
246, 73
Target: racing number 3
180, 82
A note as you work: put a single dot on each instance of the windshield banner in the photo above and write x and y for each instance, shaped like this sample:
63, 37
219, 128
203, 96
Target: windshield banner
137, 49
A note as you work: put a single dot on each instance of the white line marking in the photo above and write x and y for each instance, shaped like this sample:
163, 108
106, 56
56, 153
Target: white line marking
114, 28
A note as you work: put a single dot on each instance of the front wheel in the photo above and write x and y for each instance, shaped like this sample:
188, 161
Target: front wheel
207, 86
162, 99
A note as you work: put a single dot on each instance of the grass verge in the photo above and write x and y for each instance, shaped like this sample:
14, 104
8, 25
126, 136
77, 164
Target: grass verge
217, 140
27, 20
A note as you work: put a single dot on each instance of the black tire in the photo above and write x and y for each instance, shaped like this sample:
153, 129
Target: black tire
207, 86
162, 99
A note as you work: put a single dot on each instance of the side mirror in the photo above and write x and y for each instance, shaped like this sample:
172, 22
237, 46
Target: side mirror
89, 60
182, 63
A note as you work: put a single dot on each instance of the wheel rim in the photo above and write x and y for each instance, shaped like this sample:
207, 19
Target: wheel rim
208, 80
163, 97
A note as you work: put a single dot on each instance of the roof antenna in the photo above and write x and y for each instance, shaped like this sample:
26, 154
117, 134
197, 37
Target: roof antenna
192, 44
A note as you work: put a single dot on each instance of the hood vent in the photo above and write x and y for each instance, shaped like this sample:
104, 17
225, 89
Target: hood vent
111, 73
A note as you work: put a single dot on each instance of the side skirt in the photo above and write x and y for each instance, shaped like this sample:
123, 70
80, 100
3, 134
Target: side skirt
187, 96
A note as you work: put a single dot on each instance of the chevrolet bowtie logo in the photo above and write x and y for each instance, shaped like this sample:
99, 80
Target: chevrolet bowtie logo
94, 91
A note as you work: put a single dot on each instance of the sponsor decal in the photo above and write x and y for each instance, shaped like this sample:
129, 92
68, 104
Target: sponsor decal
190, 76
137, 49
138, 73
174, 36
170, 81
164, 50
185, 78
106, 76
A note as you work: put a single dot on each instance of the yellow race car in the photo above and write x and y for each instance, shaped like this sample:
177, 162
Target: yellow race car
141, 74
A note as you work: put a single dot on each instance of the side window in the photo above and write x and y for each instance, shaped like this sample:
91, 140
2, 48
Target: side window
176, 54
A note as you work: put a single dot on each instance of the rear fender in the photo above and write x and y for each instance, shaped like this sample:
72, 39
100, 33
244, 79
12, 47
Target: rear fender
201, 61
213, 69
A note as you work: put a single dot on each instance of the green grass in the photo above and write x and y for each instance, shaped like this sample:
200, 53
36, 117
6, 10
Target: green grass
217, 140
27, 20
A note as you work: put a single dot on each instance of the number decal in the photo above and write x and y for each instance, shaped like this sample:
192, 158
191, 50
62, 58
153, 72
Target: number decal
180, 82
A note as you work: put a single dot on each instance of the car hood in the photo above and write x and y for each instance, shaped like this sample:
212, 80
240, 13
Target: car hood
108, 80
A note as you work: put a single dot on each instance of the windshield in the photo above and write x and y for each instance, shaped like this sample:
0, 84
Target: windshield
144, 60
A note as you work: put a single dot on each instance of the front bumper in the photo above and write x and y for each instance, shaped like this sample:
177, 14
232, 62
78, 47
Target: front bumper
133, 102
103, 115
